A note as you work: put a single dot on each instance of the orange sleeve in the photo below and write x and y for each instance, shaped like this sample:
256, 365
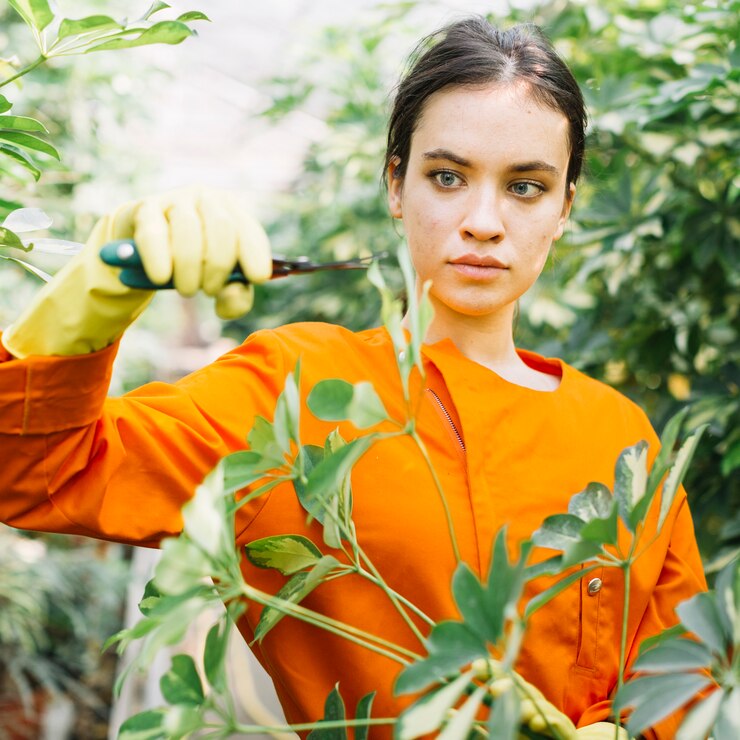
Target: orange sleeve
121, 468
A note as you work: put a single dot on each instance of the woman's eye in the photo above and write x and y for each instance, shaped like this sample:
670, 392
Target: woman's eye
526, 189
446, 178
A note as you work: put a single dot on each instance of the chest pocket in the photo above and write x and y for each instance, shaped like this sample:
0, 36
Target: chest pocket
592, 595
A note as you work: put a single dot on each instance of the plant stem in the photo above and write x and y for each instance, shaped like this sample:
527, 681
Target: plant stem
40, 60
438, 485
353, 634
322, 725
391, 594
415, 609
623, 642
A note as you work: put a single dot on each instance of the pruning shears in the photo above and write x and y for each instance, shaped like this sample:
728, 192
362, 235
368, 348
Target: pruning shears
123, 253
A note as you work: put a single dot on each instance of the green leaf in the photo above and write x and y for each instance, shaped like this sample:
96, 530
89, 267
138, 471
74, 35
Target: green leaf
182, 566
548, 594
29, 141
262, 440
727, 590
456, 638
677, 472
23, 159
150, 598
549, 567
143, 726
504, 584
680, 654
451, 645
427, 713
667, 634
586, 550
70, 27
700, 615
27, 219
504, 720
668, 439
22, 123
461, 724
241, 469
36, 13
192, 15
181, 684
287, 412
155, 7
288, 553
28, 267
5, 104
630, 481
214, 654
595, 502
165, 32
325, 480
364, 707
558, 532
334, 711
9, 238
181, 720
470, 598
727, 726
294, 591
329, 399
698, 722
366, 409
655, 697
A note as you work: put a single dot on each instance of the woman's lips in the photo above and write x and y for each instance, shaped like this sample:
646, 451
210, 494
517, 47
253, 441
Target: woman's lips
478, 266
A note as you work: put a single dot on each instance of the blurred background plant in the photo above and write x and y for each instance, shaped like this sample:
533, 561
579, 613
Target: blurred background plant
60, 597
643, 291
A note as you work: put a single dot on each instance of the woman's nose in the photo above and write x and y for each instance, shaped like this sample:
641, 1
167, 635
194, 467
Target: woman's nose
483, 219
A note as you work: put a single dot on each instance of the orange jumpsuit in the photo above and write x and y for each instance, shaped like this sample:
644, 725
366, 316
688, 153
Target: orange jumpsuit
121, 468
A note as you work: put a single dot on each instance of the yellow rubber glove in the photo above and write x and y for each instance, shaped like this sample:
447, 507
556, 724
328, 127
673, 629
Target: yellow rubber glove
537, 713
601, 731
192, 236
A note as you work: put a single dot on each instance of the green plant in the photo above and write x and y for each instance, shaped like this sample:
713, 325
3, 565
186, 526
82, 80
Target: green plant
56, 36
51, 629
678, 668
455, 663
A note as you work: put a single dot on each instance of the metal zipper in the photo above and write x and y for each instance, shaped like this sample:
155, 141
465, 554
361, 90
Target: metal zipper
449, 419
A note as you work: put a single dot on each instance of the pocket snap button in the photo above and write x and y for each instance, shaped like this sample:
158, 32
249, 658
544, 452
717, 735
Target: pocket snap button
594, 586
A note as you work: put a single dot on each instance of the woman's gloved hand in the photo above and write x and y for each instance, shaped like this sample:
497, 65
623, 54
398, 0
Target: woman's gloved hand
537, 713
192, 236
601, 731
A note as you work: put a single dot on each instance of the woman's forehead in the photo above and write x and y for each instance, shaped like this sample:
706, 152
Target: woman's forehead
491, 120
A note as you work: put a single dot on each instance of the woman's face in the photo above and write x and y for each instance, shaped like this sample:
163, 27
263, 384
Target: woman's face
483, 197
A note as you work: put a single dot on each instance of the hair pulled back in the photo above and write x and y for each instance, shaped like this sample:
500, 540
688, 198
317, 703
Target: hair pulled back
472, 52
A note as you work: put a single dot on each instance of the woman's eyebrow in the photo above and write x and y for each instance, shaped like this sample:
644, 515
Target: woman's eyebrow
446, 154
536, 165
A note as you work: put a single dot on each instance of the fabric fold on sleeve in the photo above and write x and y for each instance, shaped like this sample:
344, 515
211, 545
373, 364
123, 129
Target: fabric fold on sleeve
35, 396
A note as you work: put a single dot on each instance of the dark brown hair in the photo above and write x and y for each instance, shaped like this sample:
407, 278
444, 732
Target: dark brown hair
473, 52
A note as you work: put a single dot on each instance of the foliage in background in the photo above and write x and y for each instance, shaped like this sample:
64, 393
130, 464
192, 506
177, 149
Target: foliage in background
51, 629
60, 597
643, 290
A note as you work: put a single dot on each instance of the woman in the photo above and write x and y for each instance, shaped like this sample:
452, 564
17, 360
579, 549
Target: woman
484, 151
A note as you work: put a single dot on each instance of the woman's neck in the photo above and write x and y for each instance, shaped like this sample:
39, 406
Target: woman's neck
489, 341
